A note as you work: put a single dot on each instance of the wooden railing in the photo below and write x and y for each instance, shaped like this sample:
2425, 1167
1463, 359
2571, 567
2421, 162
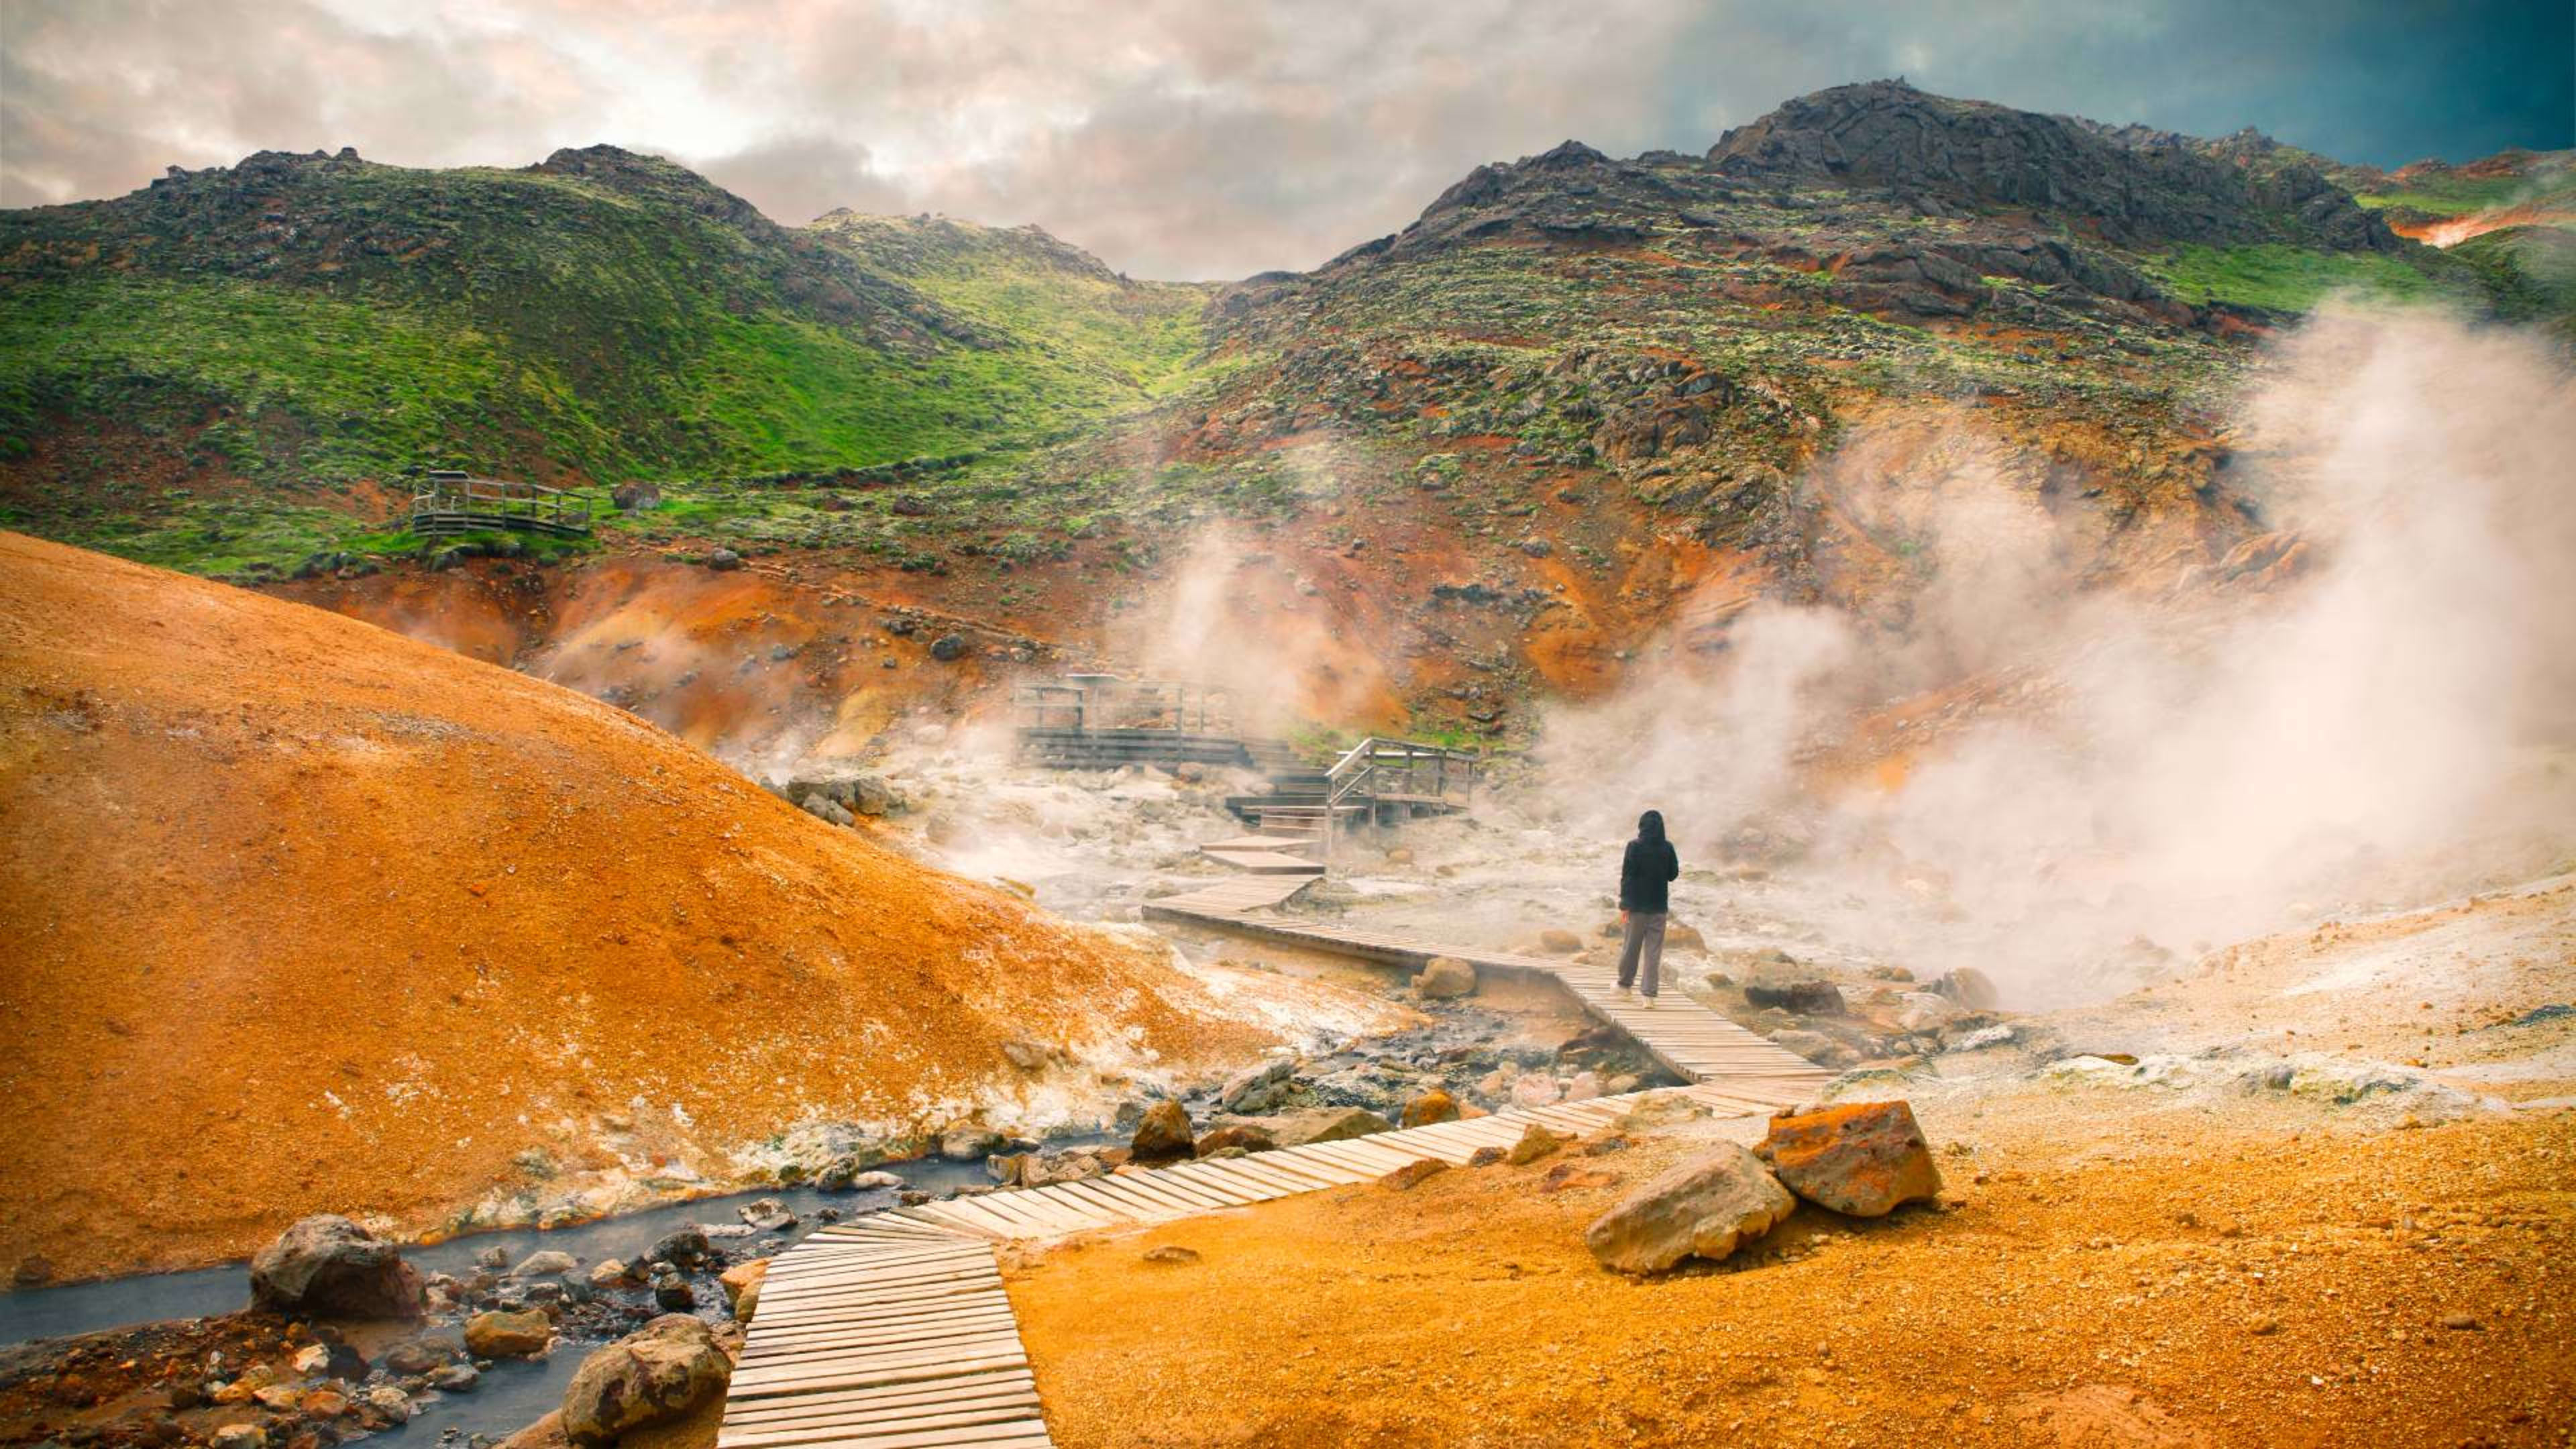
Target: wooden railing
458, 503
1106, 704
1377, 769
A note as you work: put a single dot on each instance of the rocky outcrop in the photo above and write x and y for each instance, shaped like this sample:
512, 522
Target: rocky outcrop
1863, 1159
658, 1374
329, 1267
1702, 1209
1430, 1107
1946, 157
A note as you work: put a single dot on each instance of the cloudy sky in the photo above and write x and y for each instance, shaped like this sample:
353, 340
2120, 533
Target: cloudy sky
1209, 139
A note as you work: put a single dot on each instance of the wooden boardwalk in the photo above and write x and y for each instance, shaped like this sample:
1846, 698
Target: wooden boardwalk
894, 1332
1694, 1042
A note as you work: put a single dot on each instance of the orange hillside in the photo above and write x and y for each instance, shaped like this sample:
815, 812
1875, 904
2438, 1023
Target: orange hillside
299, 915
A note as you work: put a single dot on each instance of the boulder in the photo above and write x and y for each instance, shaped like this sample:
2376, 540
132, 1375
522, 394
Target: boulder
1165, 1134
1701, 1209
768, 1215
672, 1291
853, 1174
1242, 1136
1413, 1174
1045, 1169
546, 1264
326, 1266
723, 560
1921, 1011
653, 1376
1536, 1142
1555, 941
948, 648
1432, 1106
687, 1248
1248, 1090
742, 1287
417, 1355
1678, 937
631, 496
970, 1143
1444, 977
506, 1334
1862, 1159
1969, 987
1325, 1124
1485, 1156
1807, 998
1535, 1089
609, 1273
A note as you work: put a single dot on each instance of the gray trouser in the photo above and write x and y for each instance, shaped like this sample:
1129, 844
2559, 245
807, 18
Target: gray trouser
1644, 938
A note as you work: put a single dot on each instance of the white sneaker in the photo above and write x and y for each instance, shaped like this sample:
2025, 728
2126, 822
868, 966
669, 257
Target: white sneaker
1646, 1002
1623, 992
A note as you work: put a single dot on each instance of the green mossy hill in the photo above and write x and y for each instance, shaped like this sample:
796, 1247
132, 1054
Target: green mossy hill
601, 315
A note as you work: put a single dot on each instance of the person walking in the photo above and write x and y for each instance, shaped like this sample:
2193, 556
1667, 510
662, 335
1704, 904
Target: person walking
1646, 876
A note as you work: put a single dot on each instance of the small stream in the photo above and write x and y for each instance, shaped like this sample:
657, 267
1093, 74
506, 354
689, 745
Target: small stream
513, 1393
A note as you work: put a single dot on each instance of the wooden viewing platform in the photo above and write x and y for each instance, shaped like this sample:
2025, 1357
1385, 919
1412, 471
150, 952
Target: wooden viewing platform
453, 503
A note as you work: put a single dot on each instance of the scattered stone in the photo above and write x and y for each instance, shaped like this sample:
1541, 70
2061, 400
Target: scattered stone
768, 1215
1921, 1011
239, 1436
1250, 1090
1678, 937
1807, 998
1413, 1174
456, 1378
417, 1355
1969, 987
1172, 1255
970, 1143
495, 1257
1583, 1086
1485, 1157
2462, 1322
1555, 941
1701, 1209
2262, 1325
322, 1403
653, 1376
1984, 1037
1863, 1159
1889, 973
1234, 1137
328, 1267
502, 1333
1165, 1134
1816, 1047
1444, 977
1566, 1176
851, 1174
742, 1287
948, 648
673, 1292
1536, 1142
388, 1403
724, 560
686, 1248
629, 497
549, 1263
1535, 1089
1325, 1124
1432, 1106
609, 1273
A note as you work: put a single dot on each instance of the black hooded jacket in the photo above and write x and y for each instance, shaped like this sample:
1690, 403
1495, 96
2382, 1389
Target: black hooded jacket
1646, 876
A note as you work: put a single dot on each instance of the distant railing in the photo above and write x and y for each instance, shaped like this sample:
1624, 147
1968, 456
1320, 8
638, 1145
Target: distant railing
1102, 703
460, 503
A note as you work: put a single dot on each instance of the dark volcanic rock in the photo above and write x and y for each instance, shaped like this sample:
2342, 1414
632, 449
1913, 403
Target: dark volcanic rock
1931, 149
329, 1266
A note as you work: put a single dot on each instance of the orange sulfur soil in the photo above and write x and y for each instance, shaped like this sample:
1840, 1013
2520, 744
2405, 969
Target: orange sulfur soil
297, 915
2253, 1287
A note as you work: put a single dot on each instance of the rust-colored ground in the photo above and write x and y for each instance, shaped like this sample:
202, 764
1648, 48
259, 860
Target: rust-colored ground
297, 915
2091, 1286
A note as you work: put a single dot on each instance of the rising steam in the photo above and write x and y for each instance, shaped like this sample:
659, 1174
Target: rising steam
2108, 779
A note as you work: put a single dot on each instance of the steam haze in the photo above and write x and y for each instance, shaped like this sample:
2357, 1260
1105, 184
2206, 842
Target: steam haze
2145, 776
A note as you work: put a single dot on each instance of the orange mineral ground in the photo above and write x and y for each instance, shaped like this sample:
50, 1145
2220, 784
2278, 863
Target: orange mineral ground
297, 915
